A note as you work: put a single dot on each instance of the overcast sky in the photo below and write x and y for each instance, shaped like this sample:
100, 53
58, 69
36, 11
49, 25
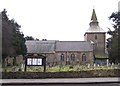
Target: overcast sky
64, 20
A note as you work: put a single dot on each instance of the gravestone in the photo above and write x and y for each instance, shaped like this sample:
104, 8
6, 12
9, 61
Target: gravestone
22, 66
94, 65
107, 62
98, 65
88, 65
112, 64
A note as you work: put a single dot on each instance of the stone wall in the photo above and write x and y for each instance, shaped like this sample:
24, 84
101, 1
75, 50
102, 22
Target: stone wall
100, 40
51, 59
55, 58
77, 58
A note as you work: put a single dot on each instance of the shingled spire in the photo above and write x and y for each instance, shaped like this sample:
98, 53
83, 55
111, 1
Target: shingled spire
94, 17
94, 24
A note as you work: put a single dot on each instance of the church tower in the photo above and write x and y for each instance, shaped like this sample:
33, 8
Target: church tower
96, 35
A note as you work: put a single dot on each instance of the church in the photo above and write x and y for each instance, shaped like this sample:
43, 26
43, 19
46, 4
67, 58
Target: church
89, 51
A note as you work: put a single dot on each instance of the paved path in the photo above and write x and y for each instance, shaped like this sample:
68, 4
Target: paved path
100, 84
62, 80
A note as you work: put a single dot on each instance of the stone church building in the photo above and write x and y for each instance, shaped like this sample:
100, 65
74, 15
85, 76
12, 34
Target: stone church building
72, 52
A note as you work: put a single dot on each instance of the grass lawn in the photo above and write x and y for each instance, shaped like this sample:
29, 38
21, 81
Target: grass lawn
61, 68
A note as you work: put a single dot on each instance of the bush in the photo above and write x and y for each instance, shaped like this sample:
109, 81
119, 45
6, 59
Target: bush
68, 74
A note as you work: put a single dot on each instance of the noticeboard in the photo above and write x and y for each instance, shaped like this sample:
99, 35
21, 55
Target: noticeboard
35, 61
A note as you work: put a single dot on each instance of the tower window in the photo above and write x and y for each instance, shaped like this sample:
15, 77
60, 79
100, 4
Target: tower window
62, 57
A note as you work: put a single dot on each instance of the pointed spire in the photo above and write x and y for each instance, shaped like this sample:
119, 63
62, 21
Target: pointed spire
94, 17
94, 24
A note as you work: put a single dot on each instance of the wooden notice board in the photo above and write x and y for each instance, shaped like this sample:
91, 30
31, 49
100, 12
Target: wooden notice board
38, 60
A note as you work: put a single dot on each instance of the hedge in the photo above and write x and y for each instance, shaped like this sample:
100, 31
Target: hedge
69, 74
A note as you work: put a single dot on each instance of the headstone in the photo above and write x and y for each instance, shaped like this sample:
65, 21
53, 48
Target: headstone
19, 59
112, 64
94, 65
22, 66
88, 65
107, 62
98, 65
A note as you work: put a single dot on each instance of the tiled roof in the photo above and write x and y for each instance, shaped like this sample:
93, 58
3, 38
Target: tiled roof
73, 46
52, 46
40, 46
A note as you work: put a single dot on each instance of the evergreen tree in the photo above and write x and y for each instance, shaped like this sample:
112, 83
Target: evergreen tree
113, 43
13, 41
29, 38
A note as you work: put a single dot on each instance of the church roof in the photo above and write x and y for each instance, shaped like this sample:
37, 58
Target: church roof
47, 46
73, 46
52, 46
94, 24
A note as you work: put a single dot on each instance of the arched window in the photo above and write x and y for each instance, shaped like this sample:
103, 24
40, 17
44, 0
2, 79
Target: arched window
62, 57
83, 57
73, 57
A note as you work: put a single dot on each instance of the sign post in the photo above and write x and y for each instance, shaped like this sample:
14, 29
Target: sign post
35, 61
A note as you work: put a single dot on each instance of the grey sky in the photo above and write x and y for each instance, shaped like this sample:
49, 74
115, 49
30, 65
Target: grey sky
58, 19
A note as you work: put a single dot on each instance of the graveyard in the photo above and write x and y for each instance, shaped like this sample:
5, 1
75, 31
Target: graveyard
37, 64
36, 69
68, 71
60, 68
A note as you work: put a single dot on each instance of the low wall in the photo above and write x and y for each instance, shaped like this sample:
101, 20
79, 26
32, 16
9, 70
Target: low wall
69, 74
